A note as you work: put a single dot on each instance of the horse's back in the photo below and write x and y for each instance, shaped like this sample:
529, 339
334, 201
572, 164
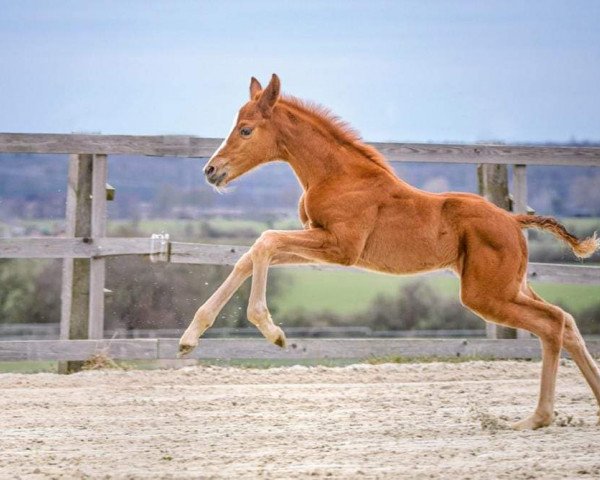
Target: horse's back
424, 231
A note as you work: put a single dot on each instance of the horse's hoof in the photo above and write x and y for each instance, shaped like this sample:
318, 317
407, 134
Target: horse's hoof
534, 422
280, 341
184, 349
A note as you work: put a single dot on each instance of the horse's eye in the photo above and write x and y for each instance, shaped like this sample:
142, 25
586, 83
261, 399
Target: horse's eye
245, 131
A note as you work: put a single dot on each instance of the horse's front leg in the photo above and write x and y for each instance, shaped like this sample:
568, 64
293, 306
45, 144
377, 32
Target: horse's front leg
207, 313
318, 245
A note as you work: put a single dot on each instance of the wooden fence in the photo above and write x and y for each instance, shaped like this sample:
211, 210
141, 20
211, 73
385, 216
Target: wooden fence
85, 248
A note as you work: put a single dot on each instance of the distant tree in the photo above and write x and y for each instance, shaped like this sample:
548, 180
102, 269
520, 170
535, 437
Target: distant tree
45, 301
16, 290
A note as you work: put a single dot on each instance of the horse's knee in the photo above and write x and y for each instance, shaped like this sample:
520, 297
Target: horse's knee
264, 246
244, 265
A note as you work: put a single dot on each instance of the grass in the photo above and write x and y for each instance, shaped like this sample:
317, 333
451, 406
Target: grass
344, 291
573, 297
433, 359
27, 366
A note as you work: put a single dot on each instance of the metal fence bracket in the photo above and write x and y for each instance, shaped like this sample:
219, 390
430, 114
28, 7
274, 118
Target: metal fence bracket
160, 247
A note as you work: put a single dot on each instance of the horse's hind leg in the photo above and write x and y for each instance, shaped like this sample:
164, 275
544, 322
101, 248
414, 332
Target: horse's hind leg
493, 290
574, 344
547, 323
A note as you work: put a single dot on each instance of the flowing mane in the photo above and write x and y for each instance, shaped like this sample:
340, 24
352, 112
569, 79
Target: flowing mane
340, 130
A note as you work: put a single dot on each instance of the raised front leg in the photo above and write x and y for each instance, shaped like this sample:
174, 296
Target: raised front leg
207, 313
318, 245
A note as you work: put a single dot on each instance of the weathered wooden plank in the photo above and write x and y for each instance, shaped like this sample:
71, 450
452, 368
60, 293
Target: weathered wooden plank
45, 247
189, 146
560, 273
96, 303
207, 254
359, 348
520, 206
49, 331
60, 247
198, 253
78, 350
98, 214
160, 145
75, 286
98, 264
229, 254
520, 189
495, 154
309, 348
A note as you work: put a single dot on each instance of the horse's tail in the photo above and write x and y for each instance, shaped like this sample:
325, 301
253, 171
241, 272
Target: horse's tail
582, 248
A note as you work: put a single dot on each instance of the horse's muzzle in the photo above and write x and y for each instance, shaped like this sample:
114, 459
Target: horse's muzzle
214, 176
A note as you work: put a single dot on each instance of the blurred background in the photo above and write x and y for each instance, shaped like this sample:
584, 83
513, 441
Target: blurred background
461, 71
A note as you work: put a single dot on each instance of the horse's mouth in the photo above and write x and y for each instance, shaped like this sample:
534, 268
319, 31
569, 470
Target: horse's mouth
216, 179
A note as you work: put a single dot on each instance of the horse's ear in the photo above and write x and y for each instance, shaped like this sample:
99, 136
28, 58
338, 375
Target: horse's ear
255, 87
269, 96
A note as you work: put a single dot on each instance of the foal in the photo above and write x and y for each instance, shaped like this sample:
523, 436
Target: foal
355, 211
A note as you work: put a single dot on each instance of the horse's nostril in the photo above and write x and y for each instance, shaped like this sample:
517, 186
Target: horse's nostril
208, 170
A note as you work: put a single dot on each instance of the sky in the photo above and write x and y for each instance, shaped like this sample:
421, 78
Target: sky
423, 71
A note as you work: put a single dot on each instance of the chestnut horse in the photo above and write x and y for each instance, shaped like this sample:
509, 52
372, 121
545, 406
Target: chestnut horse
356, 211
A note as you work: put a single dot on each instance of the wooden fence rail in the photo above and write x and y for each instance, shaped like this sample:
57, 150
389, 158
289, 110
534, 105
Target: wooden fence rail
302, 348
208, 254
50, 331
86, 246
189, 146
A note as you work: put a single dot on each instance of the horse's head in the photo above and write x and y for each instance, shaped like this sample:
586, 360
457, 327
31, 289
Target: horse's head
253, 138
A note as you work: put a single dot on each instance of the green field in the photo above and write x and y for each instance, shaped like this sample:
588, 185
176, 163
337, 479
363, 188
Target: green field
344, 291
348, 292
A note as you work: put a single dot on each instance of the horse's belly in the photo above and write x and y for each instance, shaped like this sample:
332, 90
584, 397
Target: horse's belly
406, 252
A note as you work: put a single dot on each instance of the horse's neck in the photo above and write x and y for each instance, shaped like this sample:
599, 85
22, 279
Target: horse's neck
316, 158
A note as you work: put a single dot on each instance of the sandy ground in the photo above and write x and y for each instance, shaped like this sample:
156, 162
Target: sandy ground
415, 421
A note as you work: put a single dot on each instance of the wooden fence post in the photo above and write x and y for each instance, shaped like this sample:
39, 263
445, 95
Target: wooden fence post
520, 206
98, 230
82, 296
493, 185
76, 272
